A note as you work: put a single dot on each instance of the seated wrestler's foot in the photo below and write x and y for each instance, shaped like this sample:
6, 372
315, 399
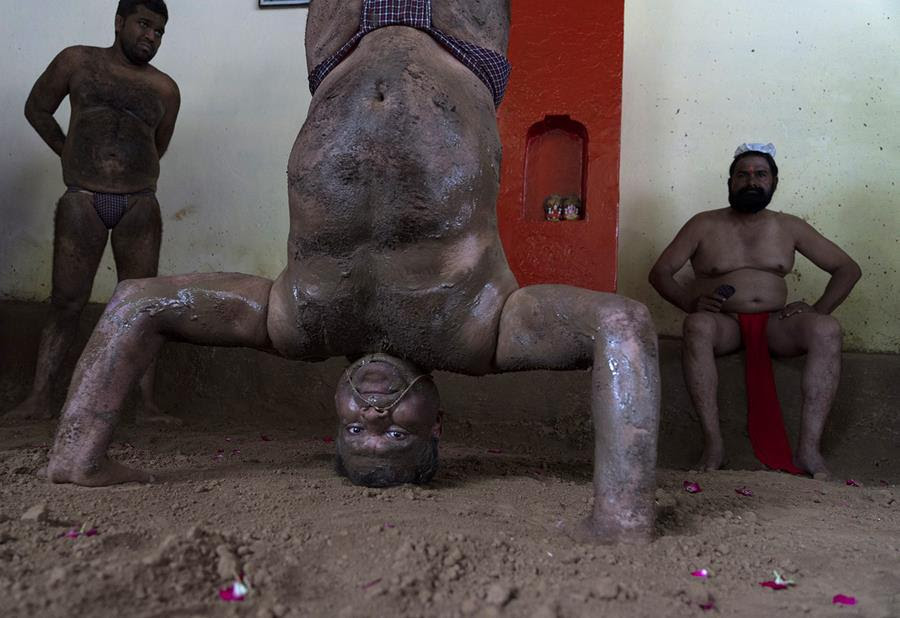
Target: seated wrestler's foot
712, 459
106, 472
813, 463
149, 413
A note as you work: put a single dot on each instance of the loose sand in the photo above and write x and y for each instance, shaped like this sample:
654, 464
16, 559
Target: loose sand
259, 497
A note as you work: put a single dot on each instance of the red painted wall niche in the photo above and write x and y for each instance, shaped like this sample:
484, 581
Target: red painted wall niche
560, 125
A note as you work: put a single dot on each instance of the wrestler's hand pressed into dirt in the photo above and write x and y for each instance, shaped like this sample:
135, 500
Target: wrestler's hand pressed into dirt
794, 308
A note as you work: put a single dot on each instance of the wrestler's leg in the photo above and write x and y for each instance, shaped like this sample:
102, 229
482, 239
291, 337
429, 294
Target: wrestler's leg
561, 327
819, 337
135, 244
706, 335
220, 309
78, 242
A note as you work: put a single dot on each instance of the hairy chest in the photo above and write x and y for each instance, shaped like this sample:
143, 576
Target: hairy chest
95, 88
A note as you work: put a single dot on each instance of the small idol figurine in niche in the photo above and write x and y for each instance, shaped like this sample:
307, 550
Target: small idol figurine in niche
571, 207
553, 208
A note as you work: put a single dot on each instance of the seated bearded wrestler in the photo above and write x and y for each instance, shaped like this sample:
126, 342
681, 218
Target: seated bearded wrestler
394, 261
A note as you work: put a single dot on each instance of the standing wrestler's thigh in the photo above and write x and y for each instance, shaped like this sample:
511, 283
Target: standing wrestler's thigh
136, 239
79, 238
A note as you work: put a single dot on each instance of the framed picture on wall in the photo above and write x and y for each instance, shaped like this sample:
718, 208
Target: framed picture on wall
265, 4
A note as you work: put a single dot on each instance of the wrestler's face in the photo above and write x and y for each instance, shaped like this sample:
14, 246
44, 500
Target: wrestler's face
140, 34
370, 425
751, 185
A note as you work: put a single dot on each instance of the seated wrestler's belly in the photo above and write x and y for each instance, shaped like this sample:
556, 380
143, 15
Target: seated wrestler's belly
756, 290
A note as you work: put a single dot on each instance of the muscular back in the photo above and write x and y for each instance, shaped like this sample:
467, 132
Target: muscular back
392, 187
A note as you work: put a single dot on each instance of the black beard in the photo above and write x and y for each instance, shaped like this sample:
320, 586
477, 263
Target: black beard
136, 56
749, 200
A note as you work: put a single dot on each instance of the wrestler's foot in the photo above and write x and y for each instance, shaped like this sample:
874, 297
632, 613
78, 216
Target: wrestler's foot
107, 472
813, 463
35, 407
586, 530
149, 413
712, 459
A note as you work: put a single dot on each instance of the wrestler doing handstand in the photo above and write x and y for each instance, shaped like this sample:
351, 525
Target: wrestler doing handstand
394, 260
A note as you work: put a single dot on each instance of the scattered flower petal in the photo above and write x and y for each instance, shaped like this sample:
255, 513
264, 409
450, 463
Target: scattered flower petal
495, 451
691, 487
371, 583
327, 439
842, 599
700, 573
708, 605
91, 532
228, 439
72, 534
235, 451
853, 483
389, 525
744, 491
235, 592
779, 583
265, 438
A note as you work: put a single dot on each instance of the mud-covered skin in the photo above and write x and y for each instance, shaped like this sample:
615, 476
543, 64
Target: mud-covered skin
123, 116
393, 248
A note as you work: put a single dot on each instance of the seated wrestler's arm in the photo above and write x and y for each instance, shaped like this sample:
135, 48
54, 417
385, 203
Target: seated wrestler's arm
673, 259
46, 95
845, 272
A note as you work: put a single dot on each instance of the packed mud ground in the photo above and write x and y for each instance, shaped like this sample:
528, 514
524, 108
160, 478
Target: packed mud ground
257, 498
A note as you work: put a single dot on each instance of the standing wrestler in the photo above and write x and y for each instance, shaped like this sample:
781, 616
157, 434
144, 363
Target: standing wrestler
123, 116
393, 260
740, 256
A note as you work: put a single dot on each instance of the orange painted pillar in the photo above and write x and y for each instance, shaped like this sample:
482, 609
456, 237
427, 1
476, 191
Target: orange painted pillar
560, 125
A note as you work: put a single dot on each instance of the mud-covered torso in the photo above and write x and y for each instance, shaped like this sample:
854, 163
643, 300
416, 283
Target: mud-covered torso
110, 145
753, 258
392, 185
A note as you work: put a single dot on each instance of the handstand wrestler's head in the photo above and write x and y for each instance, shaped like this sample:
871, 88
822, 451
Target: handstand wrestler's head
389, 417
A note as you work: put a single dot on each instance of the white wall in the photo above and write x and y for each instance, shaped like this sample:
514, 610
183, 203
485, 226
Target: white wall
819, 78
816, 77
222, 186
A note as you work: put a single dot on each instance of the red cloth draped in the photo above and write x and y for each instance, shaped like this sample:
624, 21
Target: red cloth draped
764, 421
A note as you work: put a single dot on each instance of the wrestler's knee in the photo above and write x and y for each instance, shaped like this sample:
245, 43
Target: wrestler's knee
69, 302
627, 316
699, 329
825, 332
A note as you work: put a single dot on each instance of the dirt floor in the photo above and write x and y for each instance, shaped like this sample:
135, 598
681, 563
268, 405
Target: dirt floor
259, 497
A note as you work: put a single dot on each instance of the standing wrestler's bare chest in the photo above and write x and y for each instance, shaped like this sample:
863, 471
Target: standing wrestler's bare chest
100, 87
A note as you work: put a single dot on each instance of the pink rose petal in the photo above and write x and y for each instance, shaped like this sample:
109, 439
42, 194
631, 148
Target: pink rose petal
72, 534
233, 593
853, 483
700, 573
744, 491
91, 532
235, 451
842, 599
265, 438
371, 583
495, 451
691, 487
708, 605
773, 585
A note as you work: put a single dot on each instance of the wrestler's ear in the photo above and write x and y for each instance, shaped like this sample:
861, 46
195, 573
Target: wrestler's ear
120, 23
438, 428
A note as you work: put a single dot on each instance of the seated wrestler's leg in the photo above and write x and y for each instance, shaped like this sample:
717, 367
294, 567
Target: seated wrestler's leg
222, 309
561, 327
819, 337
78, 243
706, 335
135, 244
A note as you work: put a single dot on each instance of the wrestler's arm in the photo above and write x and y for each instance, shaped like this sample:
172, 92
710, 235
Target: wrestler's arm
673, 259
46, 95
172, 101
845, 272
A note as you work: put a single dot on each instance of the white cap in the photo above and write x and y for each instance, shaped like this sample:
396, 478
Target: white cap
768, 149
